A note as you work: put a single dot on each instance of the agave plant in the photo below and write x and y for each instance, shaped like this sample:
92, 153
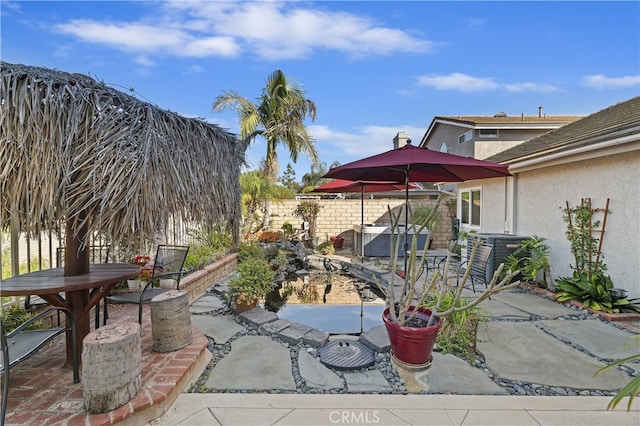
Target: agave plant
594, 292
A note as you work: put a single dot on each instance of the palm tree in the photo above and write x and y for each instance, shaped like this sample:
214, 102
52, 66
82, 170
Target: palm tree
278, 117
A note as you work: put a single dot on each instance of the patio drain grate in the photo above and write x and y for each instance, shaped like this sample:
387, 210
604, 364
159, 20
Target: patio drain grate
346, 355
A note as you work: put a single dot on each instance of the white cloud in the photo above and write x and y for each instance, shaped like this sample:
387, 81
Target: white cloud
600, 81
467, 84
271, 30
363, 142
457, 81
530, 87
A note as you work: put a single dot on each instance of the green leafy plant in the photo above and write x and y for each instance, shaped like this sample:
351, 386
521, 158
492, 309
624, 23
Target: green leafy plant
279, 262
200, 256
216, 237
255, 279
326, 248
457, 335
15, 315
631, 389
530, 265
585, 246
594, 292
250, 250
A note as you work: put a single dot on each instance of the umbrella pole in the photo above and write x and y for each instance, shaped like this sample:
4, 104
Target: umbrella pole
405, 244
362, 222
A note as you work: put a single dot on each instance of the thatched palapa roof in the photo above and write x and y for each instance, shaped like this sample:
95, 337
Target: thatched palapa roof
74, 149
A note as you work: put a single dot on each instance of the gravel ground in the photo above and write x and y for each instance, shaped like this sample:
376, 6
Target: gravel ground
383, 363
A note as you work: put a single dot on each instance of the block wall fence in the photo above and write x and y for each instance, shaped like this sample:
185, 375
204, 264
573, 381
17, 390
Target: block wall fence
338, 216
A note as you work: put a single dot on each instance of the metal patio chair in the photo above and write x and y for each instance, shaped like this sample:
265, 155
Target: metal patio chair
478, 265
20, 344
167, 264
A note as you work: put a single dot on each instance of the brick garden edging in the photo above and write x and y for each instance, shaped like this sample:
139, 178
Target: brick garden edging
197, 283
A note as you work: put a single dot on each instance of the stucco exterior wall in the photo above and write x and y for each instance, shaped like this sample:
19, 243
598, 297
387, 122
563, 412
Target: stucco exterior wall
539, 195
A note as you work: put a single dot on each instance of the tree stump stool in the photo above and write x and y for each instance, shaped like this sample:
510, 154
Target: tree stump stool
111, 366
170, 321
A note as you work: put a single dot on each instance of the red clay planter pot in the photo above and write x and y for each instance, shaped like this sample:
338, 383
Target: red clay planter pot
337, 242
410, 345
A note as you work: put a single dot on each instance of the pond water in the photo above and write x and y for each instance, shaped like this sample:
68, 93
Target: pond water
334, 302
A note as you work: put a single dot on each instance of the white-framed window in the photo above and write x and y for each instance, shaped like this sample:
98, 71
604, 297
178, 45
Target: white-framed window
466, 136
470, 203
487, 133
444, 147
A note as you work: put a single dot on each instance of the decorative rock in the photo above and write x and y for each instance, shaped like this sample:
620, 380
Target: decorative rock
258, 317
315, 338
377, 339
275, 326
111, 366
293, 334
170, 321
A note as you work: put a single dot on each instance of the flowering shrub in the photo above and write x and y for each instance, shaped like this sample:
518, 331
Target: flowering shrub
268, 237
141, 260
145, 274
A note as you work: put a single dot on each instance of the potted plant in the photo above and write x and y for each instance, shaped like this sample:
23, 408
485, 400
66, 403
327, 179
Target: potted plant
308, 210
145, 273
255, 279
411, 327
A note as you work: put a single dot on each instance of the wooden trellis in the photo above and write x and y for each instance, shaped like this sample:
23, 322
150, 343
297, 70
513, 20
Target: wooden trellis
585, 227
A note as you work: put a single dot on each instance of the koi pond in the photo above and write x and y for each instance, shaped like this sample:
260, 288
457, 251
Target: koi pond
334, 301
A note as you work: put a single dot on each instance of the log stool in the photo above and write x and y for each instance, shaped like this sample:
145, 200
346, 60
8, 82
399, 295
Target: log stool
111, 366
170, 321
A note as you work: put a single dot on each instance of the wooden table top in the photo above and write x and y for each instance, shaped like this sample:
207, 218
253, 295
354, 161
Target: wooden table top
51, 281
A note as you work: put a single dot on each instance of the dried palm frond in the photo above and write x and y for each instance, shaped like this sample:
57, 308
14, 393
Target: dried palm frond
74, 149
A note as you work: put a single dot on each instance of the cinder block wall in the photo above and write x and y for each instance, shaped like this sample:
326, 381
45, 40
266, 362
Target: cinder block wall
337, 217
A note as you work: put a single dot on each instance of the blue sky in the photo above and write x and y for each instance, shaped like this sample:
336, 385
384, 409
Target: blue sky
372, 68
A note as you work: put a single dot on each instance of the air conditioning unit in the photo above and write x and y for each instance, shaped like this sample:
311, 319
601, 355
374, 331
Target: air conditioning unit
503, 245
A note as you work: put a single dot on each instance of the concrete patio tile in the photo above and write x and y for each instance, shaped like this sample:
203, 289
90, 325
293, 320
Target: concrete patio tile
583, 417
200, 417
328, 416
248, 416
430, 417
499, 417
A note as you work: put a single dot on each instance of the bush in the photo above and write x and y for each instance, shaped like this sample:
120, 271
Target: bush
255, 279
200, 256
326, 248
457, 334
249, 250
15, 315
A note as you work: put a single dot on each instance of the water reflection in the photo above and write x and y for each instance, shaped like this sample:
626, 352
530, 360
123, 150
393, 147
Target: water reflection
328, 300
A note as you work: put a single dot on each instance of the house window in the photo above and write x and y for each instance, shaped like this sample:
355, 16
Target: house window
488, 133
470, 207
465, 136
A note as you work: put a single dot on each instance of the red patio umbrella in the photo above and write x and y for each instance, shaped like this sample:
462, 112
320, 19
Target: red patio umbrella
418, 165
342, 185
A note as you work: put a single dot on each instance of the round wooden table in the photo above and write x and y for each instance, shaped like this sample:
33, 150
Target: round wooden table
82, 292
